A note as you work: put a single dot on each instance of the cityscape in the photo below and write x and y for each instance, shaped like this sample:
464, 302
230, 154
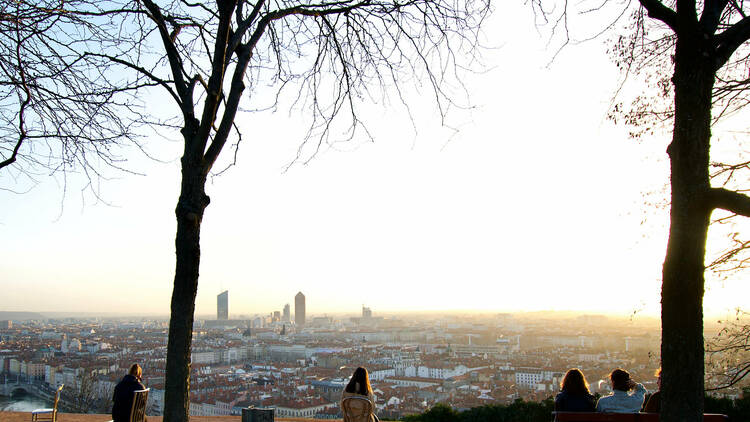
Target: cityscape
299, 363
420, 210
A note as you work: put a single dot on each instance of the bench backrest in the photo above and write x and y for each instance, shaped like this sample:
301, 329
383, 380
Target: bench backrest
624, 417
57, 400
357, 409
138, 411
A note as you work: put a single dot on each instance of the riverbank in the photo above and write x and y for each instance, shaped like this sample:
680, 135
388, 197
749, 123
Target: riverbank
77, 417
25, 403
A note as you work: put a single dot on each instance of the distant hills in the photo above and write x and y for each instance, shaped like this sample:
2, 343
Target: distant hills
20, 316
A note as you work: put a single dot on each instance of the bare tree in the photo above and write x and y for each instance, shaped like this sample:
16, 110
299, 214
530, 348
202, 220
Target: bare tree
210, 57
698, 47
88, 394
696, 57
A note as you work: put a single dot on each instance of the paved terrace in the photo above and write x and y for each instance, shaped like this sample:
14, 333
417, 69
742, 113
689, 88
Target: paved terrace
77, 417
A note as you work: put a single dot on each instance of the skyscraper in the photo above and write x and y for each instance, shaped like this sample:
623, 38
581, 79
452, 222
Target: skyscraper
222, 305
287, 316
299, 309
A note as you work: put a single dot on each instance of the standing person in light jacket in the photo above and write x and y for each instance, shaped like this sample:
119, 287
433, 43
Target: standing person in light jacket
574, 394
627, 395
124, 393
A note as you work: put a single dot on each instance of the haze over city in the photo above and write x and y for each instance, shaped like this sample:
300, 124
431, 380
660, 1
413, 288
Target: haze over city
422, 211
534, 202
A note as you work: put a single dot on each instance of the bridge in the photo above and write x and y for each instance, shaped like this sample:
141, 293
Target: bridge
28, 386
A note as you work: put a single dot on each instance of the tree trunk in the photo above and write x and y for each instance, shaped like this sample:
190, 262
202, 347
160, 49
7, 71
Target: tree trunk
189, 213
682, 284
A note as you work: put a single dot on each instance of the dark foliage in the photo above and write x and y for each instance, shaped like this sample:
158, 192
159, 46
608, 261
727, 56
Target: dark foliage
737, 410
518, 411
528, 411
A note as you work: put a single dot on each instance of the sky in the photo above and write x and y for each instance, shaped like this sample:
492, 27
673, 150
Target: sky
535, 202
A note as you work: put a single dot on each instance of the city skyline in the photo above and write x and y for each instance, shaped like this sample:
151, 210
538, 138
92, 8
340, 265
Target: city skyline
509, 356
348, 313
222, 309
535, 202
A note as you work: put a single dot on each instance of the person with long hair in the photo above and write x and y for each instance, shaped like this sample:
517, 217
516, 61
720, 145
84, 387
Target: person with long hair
627, 395
574, 395
355, 398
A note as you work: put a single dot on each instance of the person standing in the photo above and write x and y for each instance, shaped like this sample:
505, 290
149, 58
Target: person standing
627, 395
124, 393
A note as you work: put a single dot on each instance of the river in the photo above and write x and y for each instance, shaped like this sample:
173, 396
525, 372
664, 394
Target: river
23, 403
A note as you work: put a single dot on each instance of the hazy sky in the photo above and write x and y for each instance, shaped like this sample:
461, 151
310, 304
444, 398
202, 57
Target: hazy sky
536, 203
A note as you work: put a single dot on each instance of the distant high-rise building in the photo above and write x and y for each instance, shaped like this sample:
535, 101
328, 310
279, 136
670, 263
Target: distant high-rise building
287, 314
366, 312
276, 316
222, 305
299, 309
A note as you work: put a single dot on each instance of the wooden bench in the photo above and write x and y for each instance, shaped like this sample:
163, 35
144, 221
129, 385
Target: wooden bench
624, 417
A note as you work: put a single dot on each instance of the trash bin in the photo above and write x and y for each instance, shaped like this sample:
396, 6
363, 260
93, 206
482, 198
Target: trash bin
257, 414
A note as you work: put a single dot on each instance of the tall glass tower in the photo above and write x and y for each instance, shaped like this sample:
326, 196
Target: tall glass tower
222, 305
287, 317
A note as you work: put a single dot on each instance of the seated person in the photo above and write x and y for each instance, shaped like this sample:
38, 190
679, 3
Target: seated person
124, 393
627, 395
653, 405
574, 394
359, 387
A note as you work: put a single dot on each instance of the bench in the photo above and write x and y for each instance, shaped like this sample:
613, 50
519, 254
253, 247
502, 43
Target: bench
624, 417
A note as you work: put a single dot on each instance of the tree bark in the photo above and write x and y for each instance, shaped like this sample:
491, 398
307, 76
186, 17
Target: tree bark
189, 213
683, 280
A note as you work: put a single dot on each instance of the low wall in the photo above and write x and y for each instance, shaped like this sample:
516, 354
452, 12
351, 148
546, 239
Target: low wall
77, 417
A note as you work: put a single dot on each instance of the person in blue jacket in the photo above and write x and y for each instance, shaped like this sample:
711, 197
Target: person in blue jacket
627, 395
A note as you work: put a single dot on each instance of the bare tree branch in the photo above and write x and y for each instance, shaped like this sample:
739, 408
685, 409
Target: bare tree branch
166, 84
22, 135
227, 120
730, 200
175, 61
712, 14
214, 92
728, 41
57, 100
657, 10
